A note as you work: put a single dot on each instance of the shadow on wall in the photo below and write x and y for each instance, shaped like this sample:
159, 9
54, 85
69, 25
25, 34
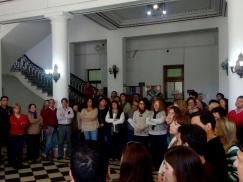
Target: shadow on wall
17, 92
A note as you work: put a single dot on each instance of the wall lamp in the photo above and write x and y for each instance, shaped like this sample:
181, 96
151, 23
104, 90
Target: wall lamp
225, 66
53, 73
114, 70
238, 68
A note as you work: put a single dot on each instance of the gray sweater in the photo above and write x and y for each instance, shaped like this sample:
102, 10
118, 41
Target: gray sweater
158, 125
141, 128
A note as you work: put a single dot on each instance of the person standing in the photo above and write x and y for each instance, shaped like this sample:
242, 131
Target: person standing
116, 117
89, 120
50, 128
237, 116
64, 117
18, 126
5, 112
130, 125
33, 137
157, 132
140, 127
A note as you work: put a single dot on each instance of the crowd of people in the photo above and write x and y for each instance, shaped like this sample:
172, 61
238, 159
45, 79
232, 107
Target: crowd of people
185, 141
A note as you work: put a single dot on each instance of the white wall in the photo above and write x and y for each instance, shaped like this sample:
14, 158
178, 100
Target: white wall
86, 56
41, 53
196, 50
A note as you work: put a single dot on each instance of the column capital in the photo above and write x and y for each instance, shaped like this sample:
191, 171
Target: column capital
58, 16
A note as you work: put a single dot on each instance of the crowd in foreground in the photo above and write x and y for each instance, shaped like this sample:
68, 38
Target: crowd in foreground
185, 141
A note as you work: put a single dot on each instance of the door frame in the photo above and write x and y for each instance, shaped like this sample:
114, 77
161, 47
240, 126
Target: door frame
172, 79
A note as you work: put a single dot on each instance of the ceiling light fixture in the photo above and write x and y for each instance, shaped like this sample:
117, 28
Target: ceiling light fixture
149, 12
155, 6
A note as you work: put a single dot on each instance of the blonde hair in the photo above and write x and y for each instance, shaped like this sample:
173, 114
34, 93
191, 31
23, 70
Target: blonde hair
17, 105
226, 130
181, 104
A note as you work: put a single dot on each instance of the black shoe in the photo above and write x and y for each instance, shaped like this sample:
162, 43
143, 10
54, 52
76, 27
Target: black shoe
60, 158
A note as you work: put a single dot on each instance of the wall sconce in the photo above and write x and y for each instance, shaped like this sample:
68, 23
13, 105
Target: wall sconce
238, 68
114, 70
225, 66
53, 73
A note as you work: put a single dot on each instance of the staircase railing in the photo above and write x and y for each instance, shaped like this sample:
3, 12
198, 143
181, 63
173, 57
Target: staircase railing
37, 76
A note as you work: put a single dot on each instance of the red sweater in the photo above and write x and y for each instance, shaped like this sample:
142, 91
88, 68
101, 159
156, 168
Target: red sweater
237, 118
50, 118
18, 126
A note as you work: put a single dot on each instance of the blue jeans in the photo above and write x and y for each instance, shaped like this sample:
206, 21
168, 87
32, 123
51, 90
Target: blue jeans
91, 135
130, 135
51, 140
64, 134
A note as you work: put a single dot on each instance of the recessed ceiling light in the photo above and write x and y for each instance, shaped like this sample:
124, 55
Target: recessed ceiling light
155, 6
164, 12
149, 12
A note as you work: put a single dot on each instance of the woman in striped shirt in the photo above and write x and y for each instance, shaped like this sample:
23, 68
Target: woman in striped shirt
226, 130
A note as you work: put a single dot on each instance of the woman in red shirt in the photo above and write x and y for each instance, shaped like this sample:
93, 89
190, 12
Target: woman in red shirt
18, 127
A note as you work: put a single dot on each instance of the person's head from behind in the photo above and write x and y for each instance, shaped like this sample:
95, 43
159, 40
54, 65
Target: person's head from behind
4, 101
207, 122
193, 136
213, 104
239, 102
226, 130
88, 164
182, 164
136, 164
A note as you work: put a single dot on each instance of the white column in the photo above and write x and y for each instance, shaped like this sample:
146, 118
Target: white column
1, 73
60, 54
115, 56
235, 28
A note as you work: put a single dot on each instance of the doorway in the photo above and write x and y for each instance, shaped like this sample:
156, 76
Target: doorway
173, 82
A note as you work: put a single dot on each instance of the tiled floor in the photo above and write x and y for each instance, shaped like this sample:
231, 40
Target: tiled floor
46, 172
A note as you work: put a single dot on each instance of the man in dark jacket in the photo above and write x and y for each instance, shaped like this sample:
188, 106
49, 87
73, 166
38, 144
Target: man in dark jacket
5, 112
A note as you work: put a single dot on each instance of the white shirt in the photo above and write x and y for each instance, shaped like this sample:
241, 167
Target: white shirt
65, 116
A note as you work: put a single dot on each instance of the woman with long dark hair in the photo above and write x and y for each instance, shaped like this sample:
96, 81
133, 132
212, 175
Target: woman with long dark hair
136, 164
116, 117
182, 164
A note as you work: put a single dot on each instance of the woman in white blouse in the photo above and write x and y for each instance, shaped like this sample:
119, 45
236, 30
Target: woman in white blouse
116, 117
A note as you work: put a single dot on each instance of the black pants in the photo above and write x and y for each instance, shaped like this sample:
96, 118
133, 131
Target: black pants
158, 147
5, 141
17, 145
116, 146
33, 146
142, 139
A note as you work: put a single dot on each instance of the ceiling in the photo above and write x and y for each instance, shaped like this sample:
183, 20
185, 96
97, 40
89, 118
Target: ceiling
176, 10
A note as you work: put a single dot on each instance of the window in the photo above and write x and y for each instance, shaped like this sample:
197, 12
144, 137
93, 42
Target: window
94, 78
173, 82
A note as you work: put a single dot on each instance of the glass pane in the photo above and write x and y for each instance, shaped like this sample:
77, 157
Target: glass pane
94, 75
170, 89
175, 72
178, 87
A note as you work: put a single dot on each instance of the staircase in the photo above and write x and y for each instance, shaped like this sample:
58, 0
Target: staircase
35, 76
